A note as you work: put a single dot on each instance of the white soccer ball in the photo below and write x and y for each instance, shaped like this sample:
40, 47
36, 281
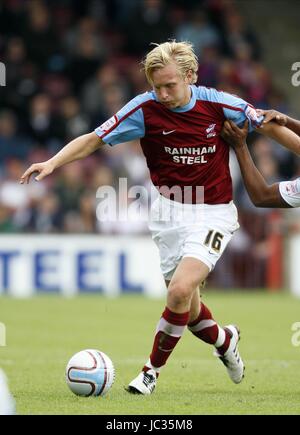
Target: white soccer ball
90, 373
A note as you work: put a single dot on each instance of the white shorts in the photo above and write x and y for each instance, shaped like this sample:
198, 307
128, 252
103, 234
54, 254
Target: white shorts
200, 231
290, 192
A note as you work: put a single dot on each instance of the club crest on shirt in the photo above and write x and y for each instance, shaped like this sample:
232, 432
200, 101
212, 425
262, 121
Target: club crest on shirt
107, 125
210, 131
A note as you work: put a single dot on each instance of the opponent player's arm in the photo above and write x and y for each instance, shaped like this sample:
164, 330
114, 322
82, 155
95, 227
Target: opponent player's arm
261, 194
281, 119
293, 124
282, 135
77, 149
237, 110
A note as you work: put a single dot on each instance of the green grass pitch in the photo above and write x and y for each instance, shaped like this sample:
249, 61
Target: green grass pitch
45, 331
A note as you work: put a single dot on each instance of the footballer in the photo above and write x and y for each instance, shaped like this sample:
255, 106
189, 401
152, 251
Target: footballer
179, 126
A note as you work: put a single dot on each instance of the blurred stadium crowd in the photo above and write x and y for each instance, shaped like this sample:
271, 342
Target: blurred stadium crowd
70, 65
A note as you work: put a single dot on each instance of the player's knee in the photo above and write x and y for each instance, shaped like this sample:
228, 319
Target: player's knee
179, 293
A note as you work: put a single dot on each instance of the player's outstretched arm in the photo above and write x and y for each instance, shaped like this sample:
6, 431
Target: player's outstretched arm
261, 194
281, 119
282, 135
77, 149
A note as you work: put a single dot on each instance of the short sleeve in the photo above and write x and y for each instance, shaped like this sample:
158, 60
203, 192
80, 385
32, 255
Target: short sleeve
127, 124
238, 110
234, 108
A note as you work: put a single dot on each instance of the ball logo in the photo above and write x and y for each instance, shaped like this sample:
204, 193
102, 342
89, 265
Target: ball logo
107, 125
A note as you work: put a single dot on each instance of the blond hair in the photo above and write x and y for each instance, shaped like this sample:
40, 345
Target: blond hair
180, 53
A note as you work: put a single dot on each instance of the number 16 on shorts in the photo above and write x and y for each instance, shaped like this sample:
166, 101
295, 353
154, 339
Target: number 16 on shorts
213, 240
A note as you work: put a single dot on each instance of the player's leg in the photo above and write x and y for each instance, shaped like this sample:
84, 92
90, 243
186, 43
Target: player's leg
195, 305
196, 302
207, 242
204, 327
185, 281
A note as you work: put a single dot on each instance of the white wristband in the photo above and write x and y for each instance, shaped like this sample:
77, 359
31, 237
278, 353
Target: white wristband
290, 192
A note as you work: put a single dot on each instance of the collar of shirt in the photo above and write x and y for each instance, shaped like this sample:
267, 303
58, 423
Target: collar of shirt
187, 106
